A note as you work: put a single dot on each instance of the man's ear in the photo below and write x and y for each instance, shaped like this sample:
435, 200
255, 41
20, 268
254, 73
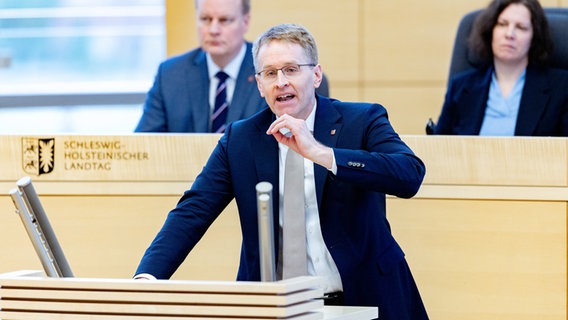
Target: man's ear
259, 86
318, 75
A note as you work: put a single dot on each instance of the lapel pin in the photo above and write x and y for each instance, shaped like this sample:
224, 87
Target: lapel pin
332, 132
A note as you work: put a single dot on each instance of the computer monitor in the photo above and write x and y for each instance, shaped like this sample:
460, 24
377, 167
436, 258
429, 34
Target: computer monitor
40, 232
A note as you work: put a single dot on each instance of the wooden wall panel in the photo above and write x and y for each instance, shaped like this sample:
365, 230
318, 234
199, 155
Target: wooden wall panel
410, 40
492, 161
336, 30
502, 260
106, 236
409, 107
16, 250
106, 218
181, 34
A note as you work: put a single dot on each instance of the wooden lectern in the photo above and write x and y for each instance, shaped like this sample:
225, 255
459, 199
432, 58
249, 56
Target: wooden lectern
485, 237
25, 295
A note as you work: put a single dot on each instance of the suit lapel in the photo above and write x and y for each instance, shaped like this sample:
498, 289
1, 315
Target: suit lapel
198, 93
535, 98
474, 104
327, 129
265, 156
246, 93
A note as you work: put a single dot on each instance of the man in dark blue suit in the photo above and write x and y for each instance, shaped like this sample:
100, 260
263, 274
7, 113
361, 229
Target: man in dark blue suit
352, 158
182, 96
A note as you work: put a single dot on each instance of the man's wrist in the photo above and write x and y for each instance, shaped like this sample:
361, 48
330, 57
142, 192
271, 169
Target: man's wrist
324, 156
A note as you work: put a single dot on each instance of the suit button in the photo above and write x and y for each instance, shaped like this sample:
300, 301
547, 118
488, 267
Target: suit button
355, 164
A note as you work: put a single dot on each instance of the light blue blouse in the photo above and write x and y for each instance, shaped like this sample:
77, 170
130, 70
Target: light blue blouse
501, 112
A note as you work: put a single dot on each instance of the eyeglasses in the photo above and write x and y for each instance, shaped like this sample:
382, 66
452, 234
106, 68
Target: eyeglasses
290, 71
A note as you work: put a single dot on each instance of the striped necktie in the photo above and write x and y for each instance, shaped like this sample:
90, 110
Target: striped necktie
219, 116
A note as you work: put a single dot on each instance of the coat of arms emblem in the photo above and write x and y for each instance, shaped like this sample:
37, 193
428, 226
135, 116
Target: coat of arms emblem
38, 155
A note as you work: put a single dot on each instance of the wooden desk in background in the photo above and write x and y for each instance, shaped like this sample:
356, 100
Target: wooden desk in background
485, 236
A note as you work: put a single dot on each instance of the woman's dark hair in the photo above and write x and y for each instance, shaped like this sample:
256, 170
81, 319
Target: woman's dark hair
481, 35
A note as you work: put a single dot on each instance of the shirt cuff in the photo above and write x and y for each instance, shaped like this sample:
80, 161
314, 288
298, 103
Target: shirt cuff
144, 276
333, 168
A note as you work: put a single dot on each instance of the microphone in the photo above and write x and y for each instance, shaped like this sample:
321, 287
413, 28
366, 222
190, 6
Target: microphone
265, 231
286, 132
36, 223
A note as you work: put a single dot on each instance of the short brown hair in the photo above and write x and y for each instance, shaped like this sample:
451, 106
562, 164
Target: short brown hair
292, 33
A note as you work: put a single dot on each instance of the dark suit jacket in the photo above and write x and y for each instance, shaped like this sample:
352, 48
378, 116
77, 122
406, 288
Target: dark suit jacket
179, 98
371, 161
543, 110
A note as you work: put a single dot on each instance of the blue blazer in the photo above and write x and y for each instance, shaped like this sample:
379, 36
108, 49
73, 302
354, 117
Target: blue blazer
179, 99
543, 110
371, 161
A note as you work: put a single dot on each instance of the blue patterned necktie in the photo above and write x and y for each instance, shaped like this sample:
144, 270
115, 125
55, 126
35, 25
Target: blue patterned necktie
219, 116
